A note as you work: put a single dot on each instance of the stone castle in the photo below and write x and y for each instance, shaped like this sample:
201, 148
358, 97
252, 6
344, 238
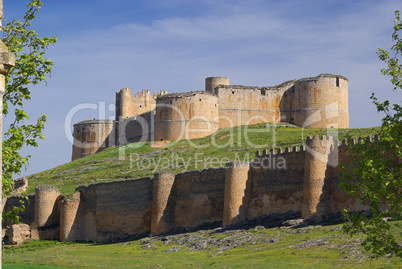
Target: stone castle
317, 102
306, 185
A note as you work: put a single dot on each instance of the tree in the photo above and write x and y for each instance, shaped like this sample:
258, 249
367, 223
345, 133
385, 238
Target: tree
31, 68
375, 177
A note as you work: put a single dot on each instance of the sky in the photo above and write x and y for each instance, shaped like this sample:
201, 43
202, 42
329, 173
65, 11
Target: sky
173, 45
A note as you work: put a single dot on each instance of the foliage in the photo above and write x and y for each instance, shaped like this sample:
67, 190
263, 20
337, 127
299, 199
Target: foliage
31, 68
376, 178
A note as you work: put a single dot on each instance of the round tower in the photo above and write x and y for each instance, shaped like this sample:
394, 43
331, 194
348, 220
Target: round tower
316, 160
68, 216
321, 102
235, 185
92, 136
212, 82
124, 104
186, 116
161, 220
46, 206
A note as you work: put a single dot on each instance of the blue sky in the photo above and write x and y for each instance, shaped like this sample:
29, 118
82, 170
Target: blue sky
105, 45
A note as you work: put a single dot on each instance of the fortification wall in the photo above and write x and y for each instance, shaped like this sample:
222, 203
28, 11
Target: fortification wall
276, 182
136, 129
28, 215
92, 136
241, 105
121, 208
320, 102
186, 116
199, 197
301, 181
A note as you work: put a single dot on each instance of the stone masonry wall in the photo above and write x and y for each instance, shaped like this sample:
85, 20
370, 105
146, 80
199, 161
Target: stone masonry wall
27, 216
299, 180
138, 128
92, 136
240, 105
276, 182
118, 209
186, 116
199, 197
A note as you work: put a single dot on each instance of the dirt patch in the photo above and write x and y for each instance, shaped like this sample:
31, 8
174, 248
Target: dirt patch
158, 144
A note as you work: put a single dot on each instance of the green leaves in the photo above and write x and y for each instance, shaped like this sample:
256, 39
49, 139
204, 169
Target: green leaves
31, 68
375, 177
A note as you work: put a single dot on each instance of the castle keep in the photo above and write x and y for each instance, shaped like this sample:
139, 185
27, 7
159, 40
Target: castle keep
317, 102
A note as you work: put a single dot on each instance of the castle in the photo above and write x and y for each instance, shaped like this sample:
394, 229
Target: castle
306, 185
316, 102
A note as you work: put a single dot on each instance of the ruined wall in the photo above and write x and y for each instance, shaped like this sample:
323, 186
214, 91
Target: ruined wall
186, 116
320, 102
276, 182
128, 104
27, 216
92, 136
138, 128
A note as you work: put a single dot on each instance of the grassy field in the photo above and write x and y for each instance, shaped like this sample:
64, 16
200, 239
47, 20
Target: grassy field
308, 247
138, 160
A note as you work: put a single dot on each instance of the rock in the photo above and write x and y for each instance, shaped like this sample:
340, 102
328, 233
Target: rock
292, 222
259, 228
273, 240
201, 245
175, 249
148, 246
18, 234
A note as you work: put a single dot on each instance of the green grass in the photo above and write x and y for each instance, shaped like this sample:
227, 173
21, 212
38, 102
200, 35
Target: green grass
339, 251
138, 160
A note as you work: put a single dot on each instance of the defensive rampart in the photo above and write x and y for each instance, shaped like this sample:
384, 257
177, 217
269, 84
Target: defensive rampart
300, 181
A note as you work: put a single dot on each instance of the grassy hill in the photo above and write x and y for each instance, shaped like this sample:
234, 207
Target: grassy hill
138, 160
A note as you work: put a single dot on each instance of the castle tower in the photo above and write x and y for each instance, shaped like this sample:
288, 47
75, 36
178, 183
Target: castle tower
92, 136
129, 105
316, 160
162, 218
235, 185
68, 215
46, 206
124, 104
186, 116
212, 82
320, 102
